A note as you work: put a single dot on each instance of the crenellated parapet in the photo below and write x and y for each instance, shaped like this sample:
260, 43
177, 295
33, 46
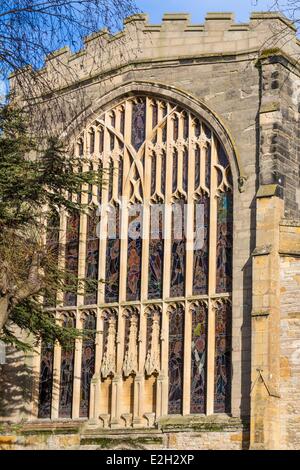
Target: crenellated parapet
175, 38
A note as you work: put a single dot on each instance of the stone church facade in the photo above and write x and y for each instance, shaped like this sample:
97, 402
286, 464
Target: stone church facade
195, 347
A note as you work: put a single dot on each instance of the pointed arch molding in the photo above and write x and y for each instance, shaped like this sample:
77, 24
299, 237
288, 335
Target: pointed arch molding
172, 94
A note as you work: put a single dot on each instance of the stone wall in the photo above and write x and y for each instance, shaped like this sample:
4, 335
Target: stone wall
196, 434
290, 352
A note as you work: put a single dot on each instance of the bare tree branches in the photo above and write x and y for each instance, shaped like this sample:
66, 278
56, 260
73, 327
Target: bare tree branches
32, 29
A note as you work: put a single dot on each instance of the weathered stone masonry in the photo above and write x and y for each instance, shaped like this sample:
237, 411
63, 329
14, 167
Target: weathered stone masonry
243, 80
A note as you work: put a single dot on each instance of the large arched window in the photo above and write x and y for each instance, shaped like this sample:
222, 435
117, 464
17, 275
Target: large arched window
164, 259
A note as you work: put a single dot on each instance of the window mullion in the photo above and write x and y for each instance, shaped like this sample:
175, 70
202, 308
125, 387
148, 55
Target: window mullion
211, 280
189, 231
103, 217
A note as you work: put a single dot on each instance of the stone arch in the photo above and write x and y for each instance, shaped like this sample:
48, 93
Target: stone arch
172, 94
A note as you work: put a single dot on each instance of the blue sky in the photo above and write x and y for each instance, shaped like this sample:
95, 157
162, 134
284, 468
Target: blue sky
198, 8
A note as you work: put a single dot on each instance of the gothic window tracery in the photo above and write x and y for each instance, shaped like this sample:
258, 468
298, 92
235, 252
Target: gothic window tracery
163, 258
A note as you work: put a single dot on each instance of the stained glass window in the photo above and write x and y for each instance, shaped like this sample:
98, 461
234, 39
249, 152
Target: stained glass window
175, 170
199, 351
92, 258
201, 226
66, 376
101, 139
176, 338
207, 153
173, 157
92, 141
71, 257
120, 177
52, 244
113, 257
153, 173
134, 257
175, 128
224, 242
154, 115
80, 147
138, 124
197, 167
185, 162
46, 380
87, 364
122, 121
223, 358
163, 172
185, 126
178, 251
156, 256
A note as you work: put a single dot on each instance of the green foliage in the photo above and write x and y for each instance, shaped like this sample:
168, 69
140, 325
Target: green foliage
35, 178
34, 175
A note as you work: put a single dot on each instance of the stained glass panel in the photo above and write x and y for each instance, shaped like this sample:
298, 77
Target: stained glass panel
87, 365
52, 244
92, 258
71, 257
197, 167
153, 173
122, 121
178, 251
198, 367
201, 250
175, 170
176, 338
101, 140
207, 154
46, 380
154, 115
80, 147
92, 141
163, 172
223, 359
175, 128
156, 257
110, 179
134, 257
120, 176
66, 376
185, 169
138, 124
185, 126
224, 243
113, 259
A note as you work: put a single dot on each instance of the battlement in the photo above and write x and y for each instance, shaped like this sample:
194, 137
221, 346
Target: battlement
174, 39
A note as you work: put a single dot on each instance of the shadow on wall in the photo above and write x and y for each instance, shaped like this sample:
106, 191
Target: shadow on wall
16, 382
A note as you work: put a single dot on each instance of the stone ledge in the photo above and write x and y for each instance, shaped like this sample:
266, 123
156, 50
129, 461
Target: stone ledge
269, 190
262, 250
50, 427
202, 424
111, 441
176, 17
276, 15
290, 223
223, 16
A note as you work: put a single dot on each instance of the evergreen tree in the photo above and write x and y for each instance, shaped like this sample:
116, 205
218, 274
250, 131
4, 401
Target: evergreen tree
36, 180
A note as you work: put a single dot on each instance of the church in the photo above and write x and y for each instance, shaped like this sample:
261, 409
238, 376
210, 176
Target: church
196, 345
